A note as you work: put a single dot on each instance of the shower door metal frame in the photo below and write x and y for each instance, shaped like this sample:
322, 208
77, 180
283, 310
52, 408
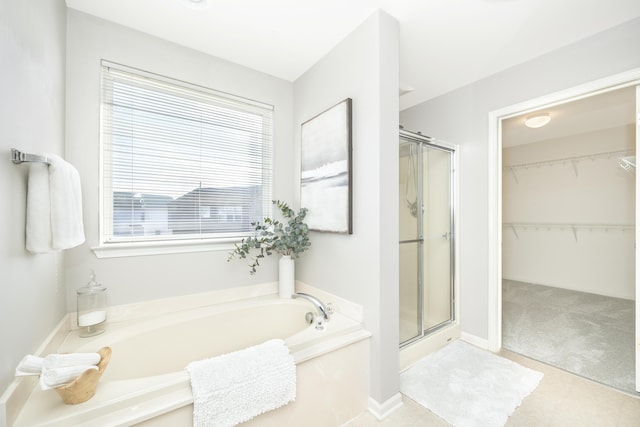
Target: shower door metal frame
422, 141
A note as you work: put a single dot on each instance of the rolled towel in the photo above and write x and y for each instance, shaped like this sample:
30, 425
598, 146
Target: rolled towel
29, 365
53, 361
56, 377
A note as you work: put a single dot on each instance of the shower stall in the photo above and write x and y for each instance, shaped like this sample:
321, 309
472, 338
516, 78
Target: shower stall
427, 238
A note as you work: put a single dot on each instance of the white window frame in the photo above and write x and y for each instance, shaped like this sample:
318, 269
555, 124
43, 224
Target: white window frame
148, 246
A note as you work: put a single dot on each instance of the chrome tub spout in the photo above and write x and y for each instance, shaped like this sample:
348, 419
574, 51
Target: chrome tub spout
324, 312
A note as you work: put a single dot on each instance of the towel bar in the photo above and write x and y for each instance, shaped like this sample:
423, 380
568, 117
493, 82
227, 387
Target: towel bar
18, 157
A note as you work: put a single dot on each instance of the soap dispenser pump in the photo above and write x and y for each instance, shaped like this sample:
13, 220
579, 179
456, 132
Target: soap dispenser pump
92, 307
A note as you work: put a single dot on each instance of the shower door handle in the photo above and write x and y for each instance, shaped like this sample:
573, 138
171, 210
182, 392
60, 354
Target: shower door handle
447, 235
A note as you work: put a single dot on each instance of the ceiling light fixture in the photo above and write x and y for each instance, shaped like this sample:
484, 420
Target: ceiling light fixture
537, 120
195, 4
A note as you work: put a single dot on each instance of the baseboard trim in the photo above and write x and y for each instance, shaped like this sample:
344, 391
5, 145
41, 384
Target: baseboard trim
475, 340
384, 409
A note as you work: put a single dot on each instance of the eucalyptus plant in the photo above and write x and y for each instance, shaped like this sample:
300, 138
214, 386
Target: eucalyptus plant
288, 237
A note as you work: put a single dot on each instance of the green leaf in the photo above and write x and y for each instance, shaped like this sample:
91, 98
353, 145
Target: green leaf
274, 236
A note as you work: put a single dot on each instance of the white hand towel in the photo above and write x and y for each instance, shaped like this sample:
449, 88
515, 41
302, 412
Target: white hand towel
38, 210
56, 377
54, 207
67, 227
29, 365
235, 387
53, 361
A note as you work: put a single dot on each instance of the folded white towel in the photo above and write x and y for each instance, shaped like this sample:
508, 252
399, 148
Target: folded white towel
29, 365
38, 210
67, 228
235, 387
53, 361
56, 377
54, 206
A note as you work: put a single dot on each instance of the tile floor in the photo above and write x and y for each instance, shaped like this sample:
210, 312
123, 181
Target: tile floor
561, 400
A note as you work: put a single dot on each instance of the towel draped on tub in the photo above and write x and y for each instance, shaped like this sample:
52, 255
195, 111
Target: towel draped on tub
235, 387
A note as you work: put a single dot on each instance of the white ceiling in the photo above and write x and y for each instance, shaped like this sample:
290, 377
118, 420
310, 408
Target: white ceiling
603, 111
444, 44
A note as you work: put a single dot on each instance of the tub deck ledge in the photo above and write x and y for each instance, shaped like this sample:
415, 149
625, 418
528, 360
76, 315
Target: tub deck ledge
124, 402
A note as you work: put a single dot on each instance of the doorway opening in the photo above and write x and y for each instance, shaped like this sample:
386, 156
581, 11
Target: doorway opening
568, 211
514, 228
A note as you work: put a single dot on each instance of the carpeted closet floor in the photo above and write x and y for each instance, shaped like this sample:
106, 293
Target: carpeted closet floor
586, 334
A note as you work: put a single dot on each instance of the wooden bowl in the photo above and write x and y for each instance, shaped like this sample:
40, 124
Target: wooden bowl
84, 387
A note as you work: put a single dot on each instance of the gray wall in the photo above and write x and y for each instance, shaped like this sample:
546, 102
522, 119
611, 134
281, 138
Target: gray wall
362, 267
461, 117
32, 54
364, 67
140, 278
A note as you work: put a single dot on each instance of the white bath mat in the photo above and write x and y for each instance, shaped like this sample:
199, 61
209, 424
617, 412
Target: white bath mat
467, 386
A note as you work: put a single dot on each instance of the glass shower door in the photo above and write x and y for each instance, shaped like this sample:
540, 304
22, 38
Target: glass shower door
437, 226
410, 241
426, 232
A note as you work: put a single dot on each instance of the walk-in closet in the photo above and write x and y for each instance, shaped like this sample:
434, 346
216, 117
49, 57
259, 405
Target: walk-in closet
568, 237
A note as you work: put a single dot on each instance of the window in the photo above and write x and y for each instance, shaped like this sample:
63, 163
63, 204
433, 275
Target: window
180, 162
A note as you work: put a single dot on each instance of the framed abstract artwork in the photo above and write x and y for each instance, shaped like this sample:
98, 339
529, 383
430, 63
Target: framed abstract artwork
325, 172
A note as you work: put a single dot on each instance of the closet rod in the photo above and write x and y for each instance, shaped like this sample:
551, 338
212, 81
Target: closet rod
589, 226
18, 157
574, 227
571, 159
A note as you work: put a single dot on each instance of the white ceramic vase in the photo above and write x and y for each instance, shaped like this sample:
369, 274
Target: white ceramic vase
286, 276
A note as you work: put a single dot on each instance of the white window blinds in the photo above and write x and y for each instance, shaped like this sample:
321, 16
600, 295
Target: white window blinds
180, 162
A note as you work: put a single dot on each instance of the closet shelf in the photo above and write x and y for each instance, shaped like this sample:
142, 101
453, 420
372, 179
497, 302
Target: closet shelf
573, 227
567, 160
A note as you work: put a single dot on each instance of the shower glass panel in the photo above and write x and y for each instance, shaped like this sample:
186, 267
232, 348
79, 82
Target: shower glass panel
410, 317
426, 236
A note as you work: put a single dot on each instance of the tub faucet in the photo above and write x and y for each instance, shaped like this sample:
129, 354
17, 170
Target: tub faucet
323, 312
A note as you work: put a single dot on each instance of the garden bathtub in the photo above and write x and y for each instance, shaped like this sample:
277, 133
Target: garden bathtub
146, 382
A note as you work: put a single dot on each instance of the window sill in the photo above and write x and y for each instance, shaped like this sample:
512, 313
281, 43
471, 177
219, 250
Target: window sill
118, 250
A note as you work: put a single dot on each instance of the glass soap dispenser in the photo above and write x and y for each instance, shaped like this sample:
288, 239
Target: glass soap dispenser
92, 307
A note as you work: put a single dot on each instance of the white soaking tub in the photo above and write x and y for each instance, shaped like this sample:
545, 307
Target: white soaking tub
146, 382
